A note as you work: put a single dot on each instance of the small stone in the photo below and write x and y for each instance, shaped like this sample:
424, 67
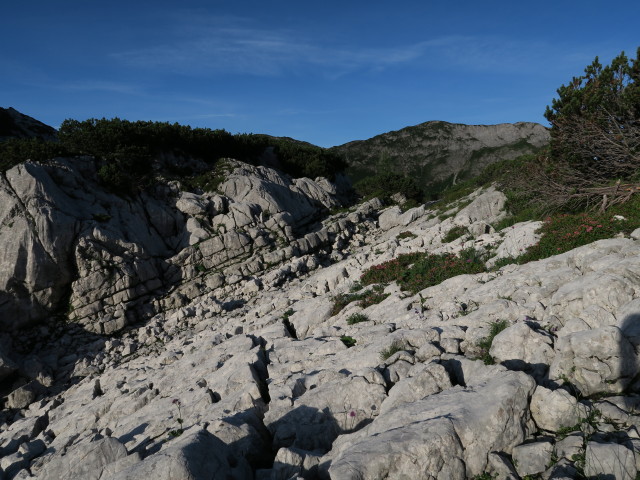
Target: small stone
24, 396
532, 458
97, 389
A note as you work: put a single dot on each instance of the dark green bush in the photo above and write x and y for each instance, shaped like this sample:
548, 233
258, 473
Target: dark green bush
126, 151
365, 299
357, 318
455, 233
384, 185
17, 150
595, 119
348, 341
407, 234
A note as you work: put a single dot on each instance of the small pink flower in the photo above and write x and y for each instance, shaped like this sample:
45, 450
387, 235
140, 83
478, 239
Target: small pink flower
352, 413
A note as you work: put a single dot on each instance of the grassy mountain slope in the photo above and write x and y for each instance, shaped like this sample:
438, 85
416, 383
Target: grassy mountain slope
437, 153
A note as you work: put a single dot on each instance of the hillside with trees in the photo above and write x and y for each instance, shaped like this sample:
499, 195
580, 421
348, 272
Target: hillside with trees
130, 154
437, 155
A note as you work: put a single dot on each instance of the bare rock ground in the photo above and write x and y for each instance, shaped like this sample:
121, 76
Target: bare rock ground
250, 375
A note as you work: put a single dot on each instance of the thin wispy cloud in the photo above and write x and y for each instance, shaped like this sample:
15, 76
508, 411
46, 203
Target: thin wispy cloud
260, 53
100, 86
235, 46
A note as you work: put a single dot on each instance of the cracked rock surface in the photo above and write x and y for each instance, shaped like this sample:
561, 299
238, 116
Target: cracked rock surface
245, 370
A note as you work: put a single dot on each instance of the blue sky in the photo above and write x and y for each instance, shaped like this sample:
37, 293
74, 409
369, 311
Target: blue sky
324, 72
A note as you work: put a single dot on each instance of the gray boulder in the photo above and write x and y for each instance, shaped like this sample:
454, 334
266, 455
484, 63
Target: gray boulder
595, 361
87, 461
532, 458
519, 347
610, 460
555, 409
485, 209
444, 436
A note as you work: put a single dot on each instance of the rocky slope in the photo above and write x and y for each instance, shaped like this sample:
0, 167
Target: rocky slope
439, 153
238, 366
72, 247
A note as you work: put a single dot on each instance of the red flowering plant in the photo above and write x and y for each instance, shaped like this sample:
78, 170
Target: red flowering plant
417, 271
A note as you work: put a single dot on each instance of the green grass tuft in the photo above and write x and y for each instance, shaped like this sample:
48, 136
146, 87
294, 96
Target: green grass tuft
395, 347
455, 233
486, 342
357, 318
348, 341
365, 299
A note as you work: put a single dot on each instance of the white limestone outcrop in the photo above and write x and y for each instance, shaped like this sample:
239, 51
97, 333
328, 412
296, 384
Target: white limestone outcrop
245, 370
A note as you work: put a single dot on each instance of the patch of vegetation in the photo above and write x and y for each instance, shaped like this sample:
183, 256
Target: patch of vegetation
406, 234
434, 269
485, 476
417, 271
395, 347
385, 184
455, 233
357, 318
486, 342
391, 270
365, 299
348, 341
210, 180
564, 232
16, 150
127, 153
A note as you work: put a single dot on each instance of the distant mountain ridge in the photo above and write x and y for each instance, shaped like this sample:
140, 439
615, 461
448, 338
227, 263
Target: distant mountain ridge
14, 124
438, 153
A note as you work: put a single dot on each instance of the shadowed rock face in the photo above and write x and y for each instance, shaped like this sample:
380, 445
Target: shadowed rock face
440, 153
71, 246
14, 124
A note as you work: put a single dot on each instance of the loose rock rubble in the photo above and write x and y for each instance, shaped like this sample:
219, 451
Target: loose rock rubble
242, 371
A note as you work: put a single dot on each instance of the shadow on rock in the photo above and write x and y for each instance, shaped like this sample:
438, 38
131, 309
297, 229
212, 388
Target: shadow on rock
306, 428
